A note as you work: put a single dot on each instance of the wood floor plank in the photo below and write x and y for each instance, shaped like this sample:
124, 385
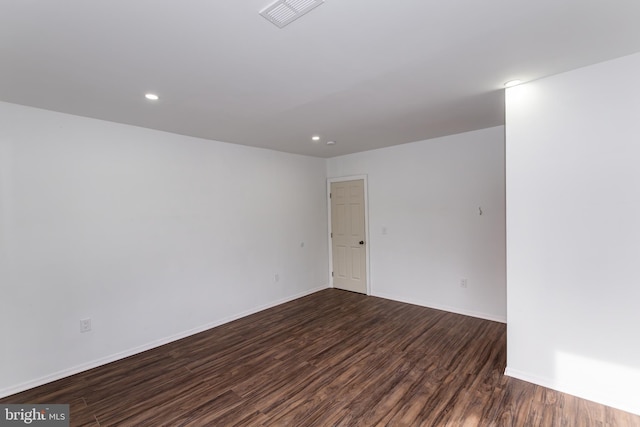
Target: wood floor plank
333, 358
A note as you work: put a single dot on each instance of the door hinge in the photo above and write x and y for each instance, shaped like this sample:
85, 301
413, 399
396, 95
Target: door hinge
332, 274
329, 195
332, 235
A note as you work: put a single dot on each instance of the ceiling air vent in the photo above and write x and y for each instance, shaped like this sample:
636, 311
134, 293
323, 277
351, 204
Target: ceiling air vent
283, 12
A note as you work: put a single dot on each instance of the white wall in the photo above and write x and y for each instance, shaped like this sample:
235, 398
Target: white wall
573, 227
426, 195
152, 235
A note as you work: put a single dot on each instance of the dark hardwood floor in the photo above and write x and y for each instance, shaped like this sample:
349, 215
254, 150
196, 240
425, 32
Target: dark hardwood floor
333, 358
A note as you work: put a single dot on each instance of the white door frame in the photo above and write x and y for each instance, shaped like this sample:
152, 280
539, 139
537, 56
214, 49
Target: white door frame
366, 224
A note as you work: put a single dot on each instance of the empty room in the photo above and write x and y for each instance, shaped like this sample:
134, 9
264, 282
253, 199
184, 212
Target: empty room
319, 213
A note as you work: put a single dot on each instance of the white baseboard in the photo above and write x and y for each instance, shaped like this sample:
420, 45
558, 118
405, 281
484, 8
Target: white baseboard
479, 315
524, 376
568, 389
8, 391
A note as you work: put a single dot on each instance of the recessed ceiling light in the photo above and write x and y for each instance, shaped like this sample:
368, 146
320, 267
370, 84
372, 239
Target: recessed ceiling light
315, 138
331, 142
512, 83
151, 96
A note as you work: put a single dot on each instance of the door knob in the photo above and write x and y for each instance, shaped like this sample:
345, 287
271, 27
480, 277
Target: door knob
362, 242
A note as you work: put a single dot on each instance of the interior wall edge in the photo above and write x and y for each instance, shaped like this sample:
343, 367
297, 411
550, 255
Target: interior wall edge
450, 309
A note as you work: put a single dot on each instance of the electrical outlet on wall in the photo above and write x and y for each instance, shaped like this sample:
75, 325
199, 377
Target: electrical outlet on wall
85, 325
463, 283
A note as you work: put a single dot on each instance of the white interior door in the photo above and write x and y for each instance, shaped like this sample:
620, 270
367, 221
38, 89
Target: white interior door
348, 236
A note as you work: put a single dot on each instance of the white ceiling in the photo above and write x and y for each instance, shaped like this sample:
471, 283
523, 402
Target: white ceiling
366, 73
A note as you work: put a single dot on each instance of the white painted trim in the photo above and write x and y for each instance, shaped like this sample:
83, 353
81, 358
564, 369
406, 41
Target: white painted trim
450, 309
366, 224
563, 388
544, 382
157, 343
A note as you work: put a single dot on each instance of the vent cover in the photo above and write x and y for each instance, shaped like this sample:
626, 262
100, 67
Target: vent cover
283, 12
